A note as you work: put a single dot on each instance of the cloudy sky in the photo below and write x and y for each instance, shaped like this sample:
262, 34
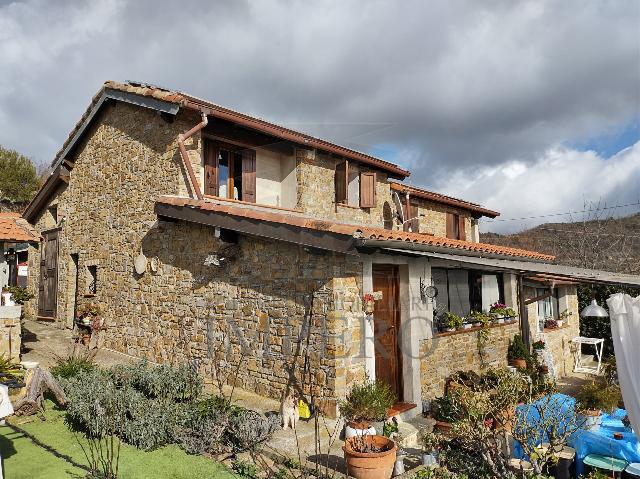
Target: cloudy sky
530, 108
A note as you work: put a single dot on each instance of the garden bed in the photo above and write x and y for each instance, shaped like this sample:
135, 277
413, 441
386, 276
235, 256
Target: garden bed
24, 459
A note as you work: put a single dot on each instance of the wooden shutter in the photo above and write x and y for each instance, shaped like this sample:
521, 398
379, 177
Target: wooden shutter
461, 232
450, 227
341, 181
211, 150
367, 190
249, 176
411, 212
415, 220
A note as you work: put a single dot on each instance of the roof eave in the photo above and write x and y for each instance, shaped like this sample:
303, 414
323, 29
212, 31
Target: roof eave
429, 248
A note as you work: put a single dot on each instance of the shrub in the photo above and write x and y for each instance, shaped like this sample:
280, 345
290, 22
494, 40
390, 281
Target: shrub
154, 401
517, 349
597, 395
446, 409
74, 364
367, 401
245, 469
159, 381
248, 429
215, 406
202, 435
19, 294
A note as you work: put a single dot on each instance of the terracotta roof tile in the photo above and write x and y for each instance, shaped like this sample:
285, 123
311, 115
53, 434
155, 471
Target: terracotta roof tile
15, 228
295, 218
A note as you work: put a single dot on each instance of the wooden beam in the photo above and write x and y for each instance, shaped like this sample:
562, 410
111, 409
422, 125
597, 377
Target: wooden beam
324, 240
539, 298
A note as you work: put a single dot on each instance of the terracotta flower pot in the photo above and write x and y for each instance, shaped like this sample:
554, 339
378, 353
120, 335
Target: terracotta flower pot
371, 465
519, 363
442, 426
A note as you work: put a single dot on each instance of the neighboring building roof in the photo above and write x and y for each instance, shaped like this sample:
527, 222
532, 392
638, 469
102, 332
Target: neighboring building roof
363, 234
16, 229
443, 199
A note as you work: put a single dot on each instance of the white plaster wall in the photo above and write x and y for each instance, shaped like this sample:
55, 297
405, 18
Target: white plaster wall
289, 182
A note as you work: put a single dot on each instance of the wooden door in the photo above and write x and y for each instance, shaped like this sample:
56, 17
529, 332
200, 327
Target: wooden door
48, 288
386, 327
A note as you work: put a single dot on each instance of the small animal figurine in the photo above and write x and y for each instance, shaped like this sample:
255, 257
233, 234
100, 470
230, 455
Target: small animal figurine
289, 410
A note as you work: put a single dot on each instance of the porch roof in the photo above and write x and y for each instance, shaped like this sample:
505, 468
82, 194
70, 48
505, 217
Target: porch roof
295, 226
13, 228
531, 269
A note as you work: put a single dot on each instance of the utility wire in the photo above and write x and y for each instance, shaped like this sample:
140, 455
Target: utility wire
589, 210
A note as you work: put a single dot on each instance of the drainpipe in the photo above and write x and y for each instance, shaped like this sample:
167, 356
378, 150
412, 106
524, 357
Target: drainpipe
185, 156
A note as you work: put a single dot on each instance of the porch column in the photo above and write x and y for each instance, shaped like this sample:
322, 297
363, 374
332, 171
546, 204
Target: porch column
367, 329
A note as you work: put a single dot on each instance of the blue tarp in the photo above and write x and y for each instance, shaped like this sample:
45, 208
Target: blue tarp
599, 440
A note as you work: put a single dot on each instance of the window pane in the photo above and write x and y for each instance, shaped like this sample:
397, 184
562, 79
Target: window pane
459, 292
223, 173
439, 278
237, 176
353, 194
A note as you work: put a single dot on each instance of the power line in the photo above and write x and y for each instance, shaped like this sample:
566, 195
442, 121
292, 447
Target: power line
589, 210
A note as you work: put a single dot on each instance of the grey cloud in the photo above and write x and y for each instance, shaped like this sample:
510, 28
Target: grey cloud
454, 85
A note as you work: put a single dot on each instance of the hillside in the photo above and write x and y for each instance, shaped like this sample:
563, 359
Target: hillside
611, 244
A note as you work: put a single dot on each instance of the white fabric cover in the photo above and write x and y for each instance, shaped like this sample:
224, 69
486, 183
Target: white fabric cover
625, 332
490, 291
6, 408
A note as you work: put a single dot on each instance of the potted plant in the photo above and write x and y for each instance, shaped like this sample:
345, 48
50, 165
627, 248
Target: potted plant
370, 457
452, 321
593, 398
501, 312
550, 324
365, 403
538, 345
369, 303
564, 318
445, 411
517, 353
467, 323
430, 444
480, 319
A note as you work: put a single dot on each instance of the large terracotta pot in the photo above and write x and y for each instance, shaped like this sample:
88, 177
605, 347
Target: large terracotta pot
444, 427
519, 363
371, 465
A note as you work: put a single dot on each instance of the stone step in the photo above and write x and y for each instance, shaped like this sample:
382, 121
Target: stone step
410, 432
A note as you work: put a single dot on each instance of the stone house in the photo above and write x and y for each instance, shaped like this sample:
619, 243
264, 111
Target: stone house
209, 236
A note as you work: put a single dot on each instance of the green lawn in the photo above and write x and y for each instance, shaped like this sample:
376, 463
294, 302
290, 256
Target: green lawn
23, 459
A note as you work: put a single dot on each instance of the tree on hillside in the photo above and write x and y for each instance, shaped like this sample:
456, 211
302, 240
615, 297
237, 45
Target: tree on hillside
19, 179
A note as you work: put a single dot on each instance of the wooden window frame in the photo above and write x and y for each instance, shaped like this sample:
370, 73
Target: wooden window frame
341, 186
212, 182
455, 226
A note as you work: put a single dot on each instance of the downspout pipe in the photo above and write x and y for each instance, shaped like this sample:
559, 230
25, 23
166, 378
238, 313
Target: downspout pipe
182, 137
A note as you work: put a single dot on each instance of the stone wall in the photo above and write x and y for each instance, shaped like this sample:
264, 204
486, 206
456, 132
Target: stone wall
249, 317
10, 332
444, 354
316, 191
433, 218
559, 340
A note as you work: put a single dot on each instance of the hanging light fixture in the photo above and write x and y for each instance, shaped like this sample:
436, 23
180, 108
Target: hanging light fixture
594, 310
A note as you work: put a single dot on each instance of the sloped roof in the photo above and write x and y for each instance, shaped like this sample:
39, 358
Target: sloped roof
443, 199
162, 96
15, 228
358, 231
